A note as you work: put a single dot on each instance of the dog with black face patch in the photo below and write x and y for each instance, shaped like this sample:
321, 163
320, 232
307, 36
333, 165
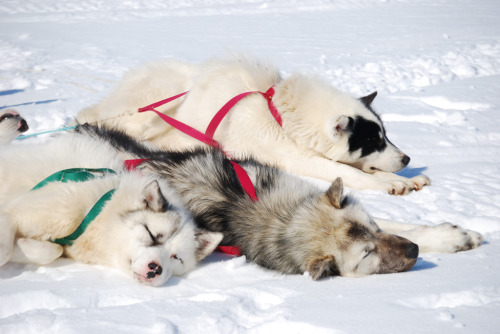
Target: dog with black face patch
325, 133
11, 125
369, 145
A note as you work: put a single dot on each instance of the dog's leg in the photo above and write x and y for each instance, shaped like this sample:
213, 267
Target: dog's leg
7, 235
35, 251
322, 168
442, 238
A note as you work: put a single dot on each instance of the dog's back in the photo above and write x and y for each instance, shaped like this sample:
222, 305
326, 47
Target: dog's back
23, 166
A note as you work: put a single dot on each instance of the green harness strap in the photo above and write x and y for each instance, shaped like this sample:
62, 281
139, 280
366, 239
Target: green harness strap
80, 175
93, 213
74, 174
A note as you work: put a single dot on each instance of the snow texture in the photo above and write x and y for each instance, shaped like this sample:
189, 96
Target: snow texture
436, 66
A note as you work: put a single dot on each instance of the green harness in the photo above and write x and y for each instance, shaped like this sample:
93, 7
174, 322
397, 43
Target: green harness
80, 175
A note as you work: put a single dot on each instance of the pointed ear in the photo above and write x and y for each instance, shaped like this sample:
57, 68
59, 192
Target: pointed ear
341, 124
334, 193
153, 198
323, 266
206, 242
367, 100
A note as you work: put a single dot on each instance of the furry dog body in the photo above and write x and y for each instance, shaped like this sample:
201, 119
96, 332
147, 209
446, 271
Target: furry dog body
326, 133
294, 227
143, 229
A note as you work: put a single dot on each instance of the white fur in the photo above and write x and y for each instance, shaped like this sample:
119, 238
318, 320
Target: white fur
310, 143
122, 234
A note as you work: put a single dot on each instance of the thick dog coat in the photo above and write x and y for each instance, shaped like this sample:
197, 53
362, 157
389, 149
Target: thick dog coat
325, 134
294, 227
143, 229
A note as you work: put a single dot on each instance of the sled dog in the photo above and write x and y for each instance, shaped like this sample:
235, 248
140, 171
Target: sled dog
325, 133
11, 125
294, 227
143, 228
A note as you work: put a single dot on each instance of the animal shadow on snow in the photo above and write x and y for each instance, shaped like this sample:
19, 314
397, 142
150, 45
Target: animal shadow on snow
411, 172
423, 265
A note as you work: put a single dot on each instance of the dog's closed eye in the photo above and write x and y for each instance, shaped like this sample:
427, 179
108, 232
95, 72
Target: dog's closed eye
175, 257
154, 238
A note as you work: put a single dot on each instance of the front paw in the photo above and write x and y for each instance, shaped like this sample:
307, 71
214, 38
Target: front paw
448, 238
405, 186
6, 244
5, 252
399, 185
420, 181
402, 187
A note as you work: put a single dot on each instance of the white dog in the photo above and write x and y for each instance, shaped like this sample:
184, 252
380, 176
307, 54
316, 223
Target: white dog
141, 228
325, 133
11, 125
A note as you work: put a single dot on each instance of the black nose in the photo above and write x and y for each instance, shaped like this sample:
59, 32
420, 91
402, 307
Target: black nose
155, 270
405, 160
23, 126
412, 251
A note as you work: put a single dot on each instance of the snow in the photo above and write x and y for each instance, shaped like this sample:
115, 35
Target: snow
436, 66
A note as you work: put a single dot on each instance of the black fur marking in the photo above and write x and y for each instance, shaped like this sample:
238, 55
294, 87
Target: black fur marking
358, 232
154, 239
367, 101
367, 136
5, 116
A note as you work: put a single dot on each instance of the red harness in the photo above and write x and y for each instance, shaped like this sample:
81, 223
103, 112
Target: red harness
208, 138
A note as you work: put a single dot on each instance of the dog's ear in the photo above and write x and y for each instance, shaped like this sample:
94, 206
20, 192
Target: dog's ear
323, 266
206, 242
334, 193
152, 197
342, 124
368, 99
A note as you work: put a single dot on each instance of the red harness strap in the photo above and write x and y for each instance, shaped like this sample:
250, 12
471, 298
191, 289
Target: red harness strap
208, 138
132, 164
219, 116
190, 131
245, 181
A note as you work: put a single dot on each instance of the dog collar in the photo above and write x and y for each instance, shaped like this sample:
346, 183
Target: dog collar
79, 175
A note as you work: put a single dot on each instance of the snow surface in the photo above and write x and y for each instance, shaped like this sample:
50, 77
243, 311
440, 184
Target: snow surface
436, 65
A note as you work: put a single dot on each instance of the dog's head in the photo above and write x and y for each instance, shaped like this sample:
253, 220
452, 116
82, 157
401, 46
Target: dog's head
11, 125
344, 240
337, 126
159, 238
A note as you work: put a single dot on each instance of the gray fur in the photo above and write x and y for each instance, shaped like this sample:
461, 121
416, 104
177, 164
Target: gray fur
293, 228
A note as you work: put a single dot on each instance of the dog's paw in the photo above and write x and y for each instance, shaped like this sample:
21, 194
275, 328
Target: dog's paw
448, 238
419, 182
7, 236
35, 251
398, 188
5, 252
399, 185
